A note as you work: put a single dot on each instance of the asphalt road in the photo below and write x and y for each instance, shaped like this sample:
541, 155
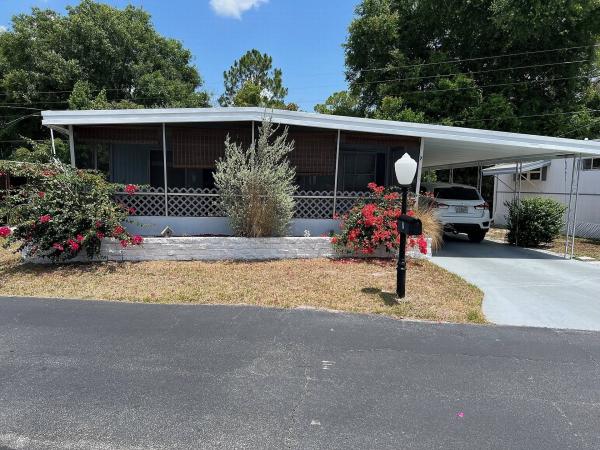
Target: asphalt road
527, 287
95, 375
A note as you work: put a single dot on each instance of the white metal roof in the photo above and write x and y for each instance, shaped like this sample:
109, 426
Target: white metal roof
503, 169
444, 146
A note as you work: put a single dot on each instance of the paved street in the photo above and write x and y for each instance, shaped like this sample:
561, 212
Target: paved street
99, 375
526, 287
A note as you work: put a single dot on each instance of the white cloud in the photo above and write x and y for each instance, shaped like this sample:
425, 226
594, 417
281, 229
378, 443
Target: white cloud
3, 29
234, 8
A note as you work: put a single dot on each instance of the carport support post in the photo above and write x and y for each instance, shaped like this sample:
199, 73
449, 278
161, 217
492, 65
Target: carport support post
495, 205
419, 170
568, 229
574, 229
519, 177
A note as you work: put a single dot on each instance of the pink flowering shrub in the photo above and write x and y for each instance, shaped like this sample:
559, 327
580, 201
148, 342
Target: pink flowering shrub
60, 212
5, 232
373, 222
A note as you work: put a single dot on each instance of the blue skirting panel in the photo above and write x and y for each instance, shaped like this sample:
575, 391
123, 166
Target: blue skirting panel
219, 226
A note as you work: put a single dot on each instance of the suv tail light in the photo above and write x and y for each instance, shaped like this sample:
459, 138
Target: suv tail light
440, 205
483, 206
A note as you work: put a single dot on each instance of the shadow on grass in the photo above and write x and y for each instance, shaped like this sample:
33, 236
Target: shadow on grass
388, 298
58, 268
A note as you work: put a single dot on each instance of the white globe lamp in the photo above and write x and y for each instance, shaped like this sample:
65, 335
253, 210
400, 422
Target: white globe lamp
406, 168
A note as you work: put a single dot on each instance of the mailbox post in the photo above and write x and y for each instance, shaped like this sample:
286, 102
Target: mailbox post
405, 167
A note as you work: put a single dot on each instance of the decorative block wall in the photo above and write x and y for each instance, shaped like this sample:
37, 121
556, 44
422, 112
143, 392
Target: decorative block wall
224, 248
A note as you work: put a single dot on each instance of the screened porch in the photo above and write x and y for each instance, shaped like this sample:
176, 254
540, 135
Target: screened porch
174, 164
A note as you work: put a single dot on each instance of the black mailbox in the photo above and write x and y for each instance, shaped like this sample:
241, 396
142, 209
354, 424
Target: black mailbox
410, 225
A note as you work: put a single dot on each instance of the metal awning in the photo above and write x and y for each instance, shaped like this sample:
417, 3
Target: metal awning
443, 146
505, 169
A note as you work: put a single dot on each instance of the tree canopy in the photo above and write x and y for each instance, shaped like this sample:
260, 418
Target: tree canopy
94, 56
341, 103
516, 66
252, 81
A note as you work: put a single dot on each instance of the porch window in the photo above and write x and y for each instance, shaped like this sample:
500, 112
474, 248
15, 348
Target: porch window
178, 177
358, 169
94, 157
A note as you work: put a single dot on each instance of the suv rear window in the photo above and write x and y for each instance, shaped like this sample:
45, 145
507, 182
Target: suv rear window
456, 193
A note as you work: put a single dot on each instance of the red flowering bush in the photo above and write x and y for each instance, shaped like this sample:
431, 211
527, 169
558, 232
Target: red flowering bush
60, 211
131, 189
373, 222
5, 232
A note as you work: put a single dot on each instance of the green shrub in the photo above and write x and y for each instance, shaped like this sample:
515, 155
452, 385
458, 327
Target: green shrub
61, 211
534, 221
256, 184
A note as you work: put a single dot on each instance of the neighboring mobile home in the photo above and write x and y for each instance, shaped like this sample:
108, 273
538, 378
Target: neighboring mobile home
173, 153
552, 179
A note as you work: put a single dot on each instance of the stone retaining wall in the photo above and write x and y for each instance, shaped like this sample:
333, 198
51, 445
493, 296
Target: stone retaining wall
222, 248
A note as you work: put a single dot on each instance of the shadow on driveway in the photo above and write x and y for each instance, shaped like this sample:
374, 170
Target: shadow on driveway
460, 247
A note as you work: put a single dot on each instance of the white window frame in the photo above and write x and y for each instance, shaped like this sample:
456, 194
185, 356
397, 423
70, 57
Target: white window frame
526, 176
592, 162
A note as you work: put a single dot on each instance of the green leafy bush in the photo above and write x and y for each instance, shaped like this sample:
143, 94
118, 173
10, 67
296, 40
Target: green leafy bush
41, 152
534, 221
256, 184
61, 211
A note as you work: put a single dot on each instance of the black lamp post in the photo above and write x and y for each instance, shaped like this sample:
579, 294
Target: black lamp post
405, 168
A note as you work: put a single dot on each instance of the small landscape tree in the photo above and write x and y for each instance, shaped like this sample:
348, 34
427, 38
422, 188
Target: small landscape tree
256, 184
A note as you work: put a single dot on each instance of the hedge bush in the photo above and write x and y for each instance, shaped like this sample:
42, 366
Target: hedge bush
534, 221
60, 211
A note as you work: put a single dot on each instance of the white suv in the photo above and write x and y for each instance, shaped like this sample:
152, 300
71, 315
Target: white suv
460, 208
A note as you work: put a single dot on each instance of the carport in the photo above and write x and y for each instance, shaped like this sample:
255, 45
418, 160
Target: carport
509, 153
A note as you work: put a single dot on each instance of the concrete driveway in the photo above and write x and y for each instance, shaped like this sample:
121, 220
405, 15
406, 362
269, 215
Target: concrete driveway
99, 375
527, 287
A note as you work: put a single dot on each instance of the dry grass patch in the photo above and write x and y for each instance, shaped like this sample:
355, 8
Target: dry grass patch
344, 285
583, 246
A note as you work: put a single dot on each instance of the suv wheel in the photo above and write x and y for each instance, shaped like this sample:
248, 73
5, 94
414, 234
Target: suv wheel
477, 236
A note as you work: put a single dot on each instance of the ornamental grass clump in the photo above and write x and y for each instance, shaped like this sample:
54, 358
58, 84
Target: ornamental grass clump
61, 211
256, 184
373, 223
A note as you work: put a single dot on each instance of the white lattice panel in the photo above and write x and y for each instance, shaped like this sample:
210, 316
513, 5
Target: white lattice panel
150, 202
347, 199
190, 202
313, 208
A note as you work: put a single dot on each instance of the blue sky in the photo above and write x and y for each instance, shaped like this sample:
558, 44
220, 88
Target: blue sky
304, 37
